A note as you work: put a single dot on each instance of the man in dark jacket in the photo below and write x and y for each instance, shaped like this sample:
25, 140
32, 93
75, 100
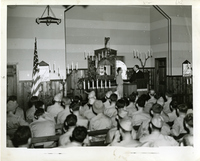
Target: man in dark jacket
137, 74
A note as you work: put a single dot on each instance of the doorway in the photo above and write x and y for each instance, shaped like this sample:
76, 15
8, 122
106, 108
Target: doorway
160, 75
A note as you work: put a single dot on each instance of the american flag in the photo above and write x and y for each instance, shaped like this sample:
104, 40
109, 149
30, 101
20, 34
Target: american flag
36, 77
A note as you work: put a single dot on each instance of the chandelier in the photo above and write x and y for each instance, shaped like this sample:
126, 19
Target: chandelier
48, 19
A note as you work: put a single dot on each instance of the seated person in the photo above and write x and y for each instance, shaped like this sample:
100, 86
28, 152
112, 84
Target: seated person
56, 107
31, 109
139, 116
79, 134
131, 108
188, 123
48, 116
42, 127
107, 99
126, 135
178, 127
110, 110
173, 106
168, 96
19, 111
156, 110
151, 100
22, 137
69, 125
63, 114
156, 138
13, 121
100, 121
187, 140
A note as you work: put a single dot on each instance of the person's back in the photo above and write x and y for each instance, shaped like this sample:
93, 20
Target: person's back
131, 108
155, 138
140, 116
68, 127
178, 127
22, 137
56, 107
166, 107
64, 113
31, 109
77, 138
42, 127
100, 121
13, 121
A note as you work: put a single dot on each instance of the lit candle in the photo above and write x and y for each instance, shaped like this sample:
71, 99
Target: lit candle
72, 65
97, 84
84, 84
88, 85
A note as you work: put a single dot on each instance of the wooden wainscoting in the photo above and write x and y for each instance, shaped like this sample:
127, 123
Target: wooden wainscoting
182, 88
48, 91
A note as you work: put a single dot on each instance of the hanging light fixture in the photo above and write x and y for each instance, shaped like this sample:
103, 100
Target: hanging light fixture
48, 20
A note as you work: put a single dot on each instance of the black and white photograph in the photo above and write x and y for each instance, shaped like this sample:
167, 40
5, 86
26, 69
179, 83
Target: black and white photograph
83, 81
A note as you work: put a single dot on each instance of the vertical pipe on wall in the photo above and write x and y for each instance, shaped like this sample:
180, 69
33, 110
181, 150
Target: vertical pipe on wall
169, 38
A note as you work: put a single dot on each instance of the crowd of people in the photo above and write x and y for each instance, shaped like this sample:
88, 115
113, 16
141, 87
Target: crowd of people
147, 120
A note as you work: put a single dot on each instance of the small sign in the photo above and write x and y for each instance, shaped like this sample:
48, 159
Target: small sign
44, 71
186, 69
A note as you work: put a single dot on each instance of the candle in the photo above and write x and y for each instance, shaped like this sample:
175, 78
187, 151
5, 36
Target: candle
54, 66
81, 73
84, 84
102, 54
149, 53
109, 84
146, 55
133, 53
72, 65
88, 85
58, 69
99, 57
49, 67
84, 55
63, 78
101, 84
67, 68
77, 66
187, 81
97, 84
92, 83
105, 83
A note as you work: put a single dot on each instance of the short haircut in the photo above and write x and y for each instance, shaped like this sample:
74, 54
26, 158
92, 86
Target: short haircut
141, 101
12, 98
189, 119
32, 101
132, 97
137, 66
127, 102
169, 93
39, 104
183, 108
79, 134
120, 103
113, 97
118, 69
71, 120
21, 136
38, 112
